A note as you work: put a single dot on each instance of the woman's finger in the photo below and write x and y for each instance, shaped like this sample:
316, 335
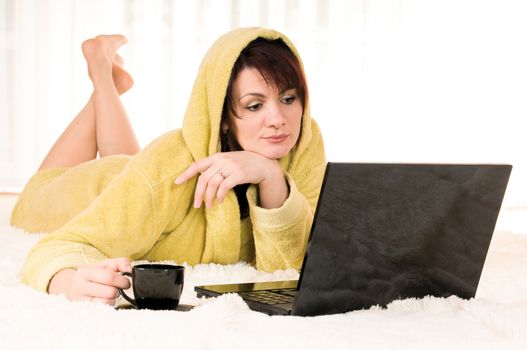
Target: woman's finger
104, 301
104, 276
227, 183
212, 188
201, 187
95, 299
116, 264
193, 170
203, 183
83, 289
102, 292
96, 290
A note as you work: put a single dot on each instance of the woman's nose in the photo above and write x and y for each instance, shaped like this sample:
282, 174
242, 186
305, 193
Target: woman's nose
275, 116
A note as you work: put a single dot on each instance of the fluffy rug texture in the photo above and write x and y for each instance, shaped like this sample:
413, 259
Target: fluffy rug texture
496, 318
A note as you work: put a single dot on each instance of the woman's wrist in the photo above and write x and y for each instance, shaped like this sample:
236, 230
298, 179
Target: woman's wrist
273, 190
61, 282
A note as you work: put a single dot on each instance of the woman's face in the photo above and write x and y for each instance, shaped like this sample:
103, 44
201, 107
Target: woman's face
268, 120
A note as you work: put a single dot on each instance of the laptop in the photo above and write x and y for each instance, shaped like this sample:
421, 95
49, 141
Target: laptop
383, 232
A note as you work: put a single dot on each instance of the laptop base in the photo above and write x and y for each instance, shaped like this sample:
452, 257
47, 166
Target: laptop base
272, 298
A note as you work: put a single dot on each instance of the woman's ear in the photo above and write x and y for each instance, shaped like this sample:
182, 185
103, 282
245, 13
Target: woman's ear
224, 127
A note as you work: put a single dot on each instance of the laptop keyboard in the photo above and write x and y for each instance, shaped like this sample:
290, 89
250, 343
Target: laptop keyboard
272, 296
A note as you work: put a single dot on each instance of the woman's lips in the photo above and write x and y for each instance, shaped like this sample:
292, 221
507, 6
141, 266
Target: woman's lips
276, 138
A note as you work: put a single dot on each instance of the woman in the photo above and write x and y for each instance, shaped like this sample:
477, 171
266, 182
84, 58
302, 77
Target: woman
248, 149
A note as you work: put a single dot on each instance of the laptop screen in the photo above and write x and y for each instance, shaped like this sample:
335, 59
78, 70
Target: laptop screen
392, 231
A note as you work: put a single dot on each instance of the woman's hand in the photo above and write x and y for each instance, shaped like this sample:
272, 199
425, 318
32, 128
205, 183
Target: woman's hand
98, 282
222, 171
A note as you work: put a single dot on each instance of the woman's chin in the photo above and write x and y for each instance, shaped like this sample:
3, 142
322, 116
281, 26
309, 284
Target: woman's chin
271, 152
274, 154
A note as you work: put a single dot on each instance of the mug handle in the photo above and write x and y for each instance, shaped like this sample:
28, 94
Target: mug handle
123, 294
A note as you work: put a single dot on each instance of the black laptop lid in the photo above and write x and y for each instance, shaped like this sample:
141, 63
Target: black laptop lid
391, 231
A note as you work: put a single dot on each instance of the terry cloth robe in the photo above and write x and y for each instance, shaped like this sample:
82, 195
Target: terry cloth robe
122, 206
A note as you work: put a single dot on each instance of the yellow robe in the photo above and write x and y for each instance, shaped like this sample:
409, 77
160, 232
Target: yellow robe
129, 206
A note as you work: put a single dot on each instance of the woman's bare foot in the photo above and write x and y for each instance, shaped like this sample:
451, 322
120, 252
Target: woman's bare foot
104, 63
122, 80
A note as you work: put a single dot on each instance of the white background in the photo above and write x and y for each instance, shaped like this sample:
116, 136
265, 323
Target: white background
390, 81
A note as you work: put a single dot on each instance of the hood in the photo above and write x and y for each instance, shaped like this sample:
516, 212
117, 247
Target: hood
201, 124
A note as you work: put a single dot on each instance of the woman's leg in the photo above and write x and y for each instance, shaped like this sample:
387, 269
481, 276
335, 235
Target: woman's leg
102, 126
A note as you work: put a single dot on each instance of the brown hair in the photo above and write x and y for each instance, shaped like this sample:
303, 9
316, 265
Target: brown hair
278, 66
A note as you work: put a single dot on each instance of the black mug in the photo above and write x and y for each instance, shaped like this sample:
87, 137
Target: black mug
156, 286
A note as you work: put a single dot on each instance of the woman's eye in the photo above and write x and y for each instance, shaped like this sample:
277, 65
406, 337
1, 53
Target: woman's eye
288, 99
254, 107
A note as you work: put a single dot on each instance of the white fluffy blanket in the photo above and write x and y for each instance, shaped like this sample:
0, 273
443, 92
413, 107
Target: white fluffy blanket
496, 318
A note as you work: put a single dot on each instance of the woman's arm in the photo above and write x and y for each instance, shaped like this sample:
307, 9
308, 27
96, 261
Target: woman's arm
273, 190
281, 233
120, 222
125, 220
